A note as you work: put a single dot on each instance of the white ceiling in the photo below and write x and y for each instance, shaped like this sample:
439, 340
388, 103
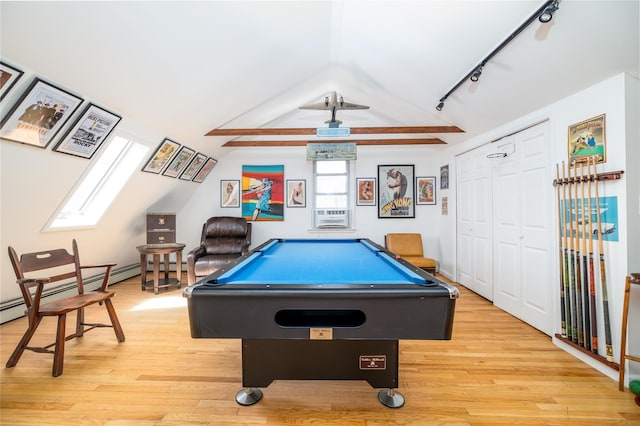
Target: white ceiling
185, 68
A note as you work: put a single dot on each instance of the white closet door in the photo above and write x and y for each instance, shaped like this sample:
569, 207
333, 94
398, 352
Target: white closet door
523, 214
474, 246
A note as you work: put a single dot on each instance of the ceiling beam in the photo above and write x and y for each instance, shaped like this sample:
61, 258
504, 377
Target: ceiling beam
354, 131
416, 141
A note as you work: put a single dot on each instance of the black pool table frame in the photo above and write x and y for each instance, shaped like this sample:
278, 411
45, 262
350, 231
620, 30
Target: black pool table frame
297, 333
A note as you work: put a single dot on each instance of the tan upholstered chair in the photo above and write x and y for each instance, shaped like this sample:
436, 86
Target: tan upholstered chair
409, 247
223, 240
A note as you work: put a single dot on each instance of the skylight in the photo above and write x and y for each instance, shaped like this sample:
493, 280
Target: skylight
100, 185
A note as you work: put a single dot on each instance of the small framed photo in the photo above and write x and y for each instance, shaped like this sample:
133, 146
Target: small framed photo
296, 193
204, 171
193, 167
179, 162
366, 188
9, 76
39, 114
586, 139
229, 193
426, 190
89, 133
444, 177
165, 152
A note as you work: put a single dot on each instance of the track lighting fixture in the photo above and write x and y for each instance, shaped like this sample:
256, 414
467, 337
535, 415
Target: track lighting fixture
476, 74
544, 14
547, 13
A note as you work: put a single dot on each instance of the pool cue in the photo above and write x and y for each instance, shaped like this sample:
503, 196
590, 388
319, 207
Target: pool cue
576, 238
585, 271
603, 276
563, 318
572, 259
592, 275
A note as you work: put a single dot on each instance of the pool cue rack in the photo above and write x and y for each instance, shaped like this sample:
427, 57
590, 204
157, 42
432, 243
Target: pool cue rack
580, 314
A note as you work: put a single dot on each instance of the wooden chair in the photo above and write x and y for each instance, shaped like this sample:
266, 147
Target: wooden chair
67, 267
409, 247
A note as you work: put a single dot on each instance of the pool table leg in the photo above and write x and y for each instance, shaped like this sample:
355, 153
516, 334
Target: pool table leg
248, 396
391, 398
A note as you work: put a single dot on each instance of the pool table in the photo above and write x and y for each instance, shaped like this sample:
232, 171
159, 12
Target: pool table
321, 309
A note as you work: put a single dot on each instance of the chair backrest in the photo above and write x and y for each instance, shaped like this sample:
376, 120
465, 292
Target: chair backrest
58, 263
226, 235
404, 244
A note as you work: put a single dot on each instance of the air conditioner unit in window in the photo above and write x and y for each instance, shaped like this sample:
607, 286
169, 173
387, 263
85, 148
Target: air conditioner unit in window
331, 218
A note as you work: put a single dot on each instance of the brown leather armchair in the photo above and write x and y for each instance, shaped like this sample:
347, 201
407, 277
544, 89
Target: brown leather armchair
223, 239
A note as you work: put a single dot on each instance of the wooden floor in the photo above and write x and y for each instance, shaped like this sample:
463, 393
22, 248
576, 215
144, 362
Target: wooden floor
496, 371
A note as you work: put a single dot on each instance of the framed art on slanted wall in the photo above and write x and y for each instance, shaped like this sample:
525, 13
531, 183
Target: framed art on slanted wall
204, 171
39, 114
88, 133
179, 162
9, 76
165, 152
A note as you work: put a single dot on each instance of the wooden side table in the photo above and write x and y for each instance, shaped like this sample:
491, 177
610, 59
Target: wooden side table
624, 356
156, 250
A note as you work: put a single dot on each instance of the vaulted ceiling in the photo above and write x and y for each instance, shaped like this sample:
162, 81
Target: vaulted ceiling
184, 68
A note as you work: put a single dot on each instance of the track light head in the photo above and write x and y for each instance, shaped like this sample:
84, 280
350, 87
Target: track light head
476, 74
440, 106
547, 13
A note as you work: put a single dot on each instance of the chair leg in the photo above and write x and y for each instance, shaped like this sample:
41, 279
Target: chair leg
58, 354
80, 323
26, 338
117, 328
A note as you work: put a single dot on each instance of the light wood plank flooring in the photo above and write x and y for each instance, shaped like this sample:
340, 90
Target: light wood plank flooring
496, 371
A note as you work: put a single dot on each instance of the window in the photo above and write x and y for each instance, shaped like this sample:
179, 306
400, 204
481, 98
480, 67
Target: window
100, 185
331, 184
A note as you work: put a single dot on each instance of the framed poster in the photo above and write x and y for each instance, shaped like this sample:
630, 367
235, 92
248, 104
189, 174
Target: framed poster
366, 190
165, 152
296, 193
587, 139
89, 133
194, 166
444, 177
179, 162
204, 171
229, 193
39, 114
263, 192
9, 76
426, 190
396, 191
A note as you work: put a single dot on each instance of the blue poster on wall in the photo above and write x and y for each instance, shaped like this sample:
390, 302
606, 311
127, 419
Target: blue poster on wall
581, 209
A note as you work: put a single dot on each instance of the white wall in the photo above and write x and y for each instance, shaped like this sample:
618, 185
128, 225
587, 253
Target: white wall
297, 221
618, 98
